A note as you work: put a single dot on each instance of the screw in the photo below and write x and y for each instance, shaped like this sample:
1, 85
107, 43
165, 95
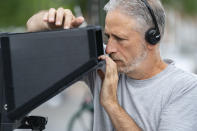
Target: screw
6, 107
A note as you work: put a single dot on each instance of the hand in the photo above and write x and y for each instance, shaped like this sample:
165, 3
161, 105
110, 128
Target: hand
62, 18
108, 94
121, 120
54, 19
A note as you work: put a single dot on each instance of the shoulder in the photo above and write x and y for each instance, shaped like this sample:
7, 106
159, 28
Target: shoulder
184, 85
178, 73
184, 78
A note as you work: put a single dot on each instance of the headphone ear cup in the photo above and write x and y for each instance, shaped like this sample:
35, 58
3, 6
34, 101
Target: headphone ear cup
152, 36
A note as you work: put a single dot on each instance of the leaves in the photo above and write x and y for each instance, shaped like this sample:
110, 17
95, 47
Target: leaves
17, 12
188, 7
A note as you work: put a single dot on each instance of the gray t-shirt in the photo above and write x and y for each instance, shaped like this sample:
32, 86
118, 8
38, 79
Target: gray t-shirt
165, 102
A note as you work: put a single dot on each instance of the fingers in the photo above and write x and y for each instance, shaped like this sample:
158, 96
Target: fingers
111, 67
77, 22
59, 16
68, 18
102, 57
45, 17
108, 60
62, 18
51, 15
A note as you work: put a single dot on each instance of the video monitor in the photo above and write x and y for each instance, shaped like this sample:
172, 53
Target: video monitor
39, 65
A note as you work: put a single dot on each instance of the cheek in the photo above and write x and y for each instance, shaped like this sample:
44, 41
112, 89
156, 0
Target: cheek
127, 55
130, 54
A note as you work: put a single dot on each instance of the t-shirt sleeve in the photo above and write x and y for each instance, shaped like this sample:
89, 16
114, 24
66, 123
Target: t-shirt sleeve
181, 112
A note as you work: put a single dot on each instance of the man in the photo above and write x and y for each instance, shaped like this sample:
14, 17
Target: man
138, 90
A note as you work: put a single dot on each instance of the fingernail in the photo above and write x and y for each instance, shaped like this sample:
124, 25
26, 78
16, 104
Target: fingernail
58, 23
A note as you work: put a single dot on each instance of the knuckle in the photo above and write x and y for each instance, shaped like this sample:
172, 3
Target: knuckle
60, 9
68, 11
73, 17
108, 75
60, 14
110, 85
114, 64
52, 9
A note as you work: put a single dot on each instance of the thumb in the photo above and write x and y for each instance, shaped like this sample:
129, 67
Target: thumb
101, 74
77, 21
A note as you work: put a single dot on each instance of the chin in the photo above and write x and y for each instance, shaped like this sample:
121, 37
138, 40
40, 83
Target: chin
125, 69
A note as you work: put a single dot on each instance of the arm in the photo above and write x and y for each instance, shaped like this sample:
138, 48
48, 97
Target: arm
120, 119
53, 19
36, 22
108, 98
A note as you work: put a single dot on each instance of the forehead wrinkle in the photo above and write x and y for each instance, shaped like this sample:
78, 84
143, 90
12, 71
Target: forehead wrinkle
118, 20
117, 32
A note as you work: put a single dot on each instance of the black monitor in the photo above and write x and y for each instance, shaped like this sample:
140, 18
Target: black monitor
39, 65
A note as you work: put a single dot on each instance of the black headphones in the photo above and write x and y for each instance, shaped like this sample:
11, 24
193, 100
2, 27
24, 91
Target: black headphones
153, 35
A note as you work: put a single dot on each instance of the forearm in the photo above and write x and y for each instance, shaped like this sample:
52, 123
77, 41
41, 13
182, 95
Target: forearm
108, 98
120, 119
36, 22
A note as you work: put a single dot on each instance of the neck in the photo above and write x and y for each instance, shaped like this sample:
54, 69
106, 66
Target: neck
148, 68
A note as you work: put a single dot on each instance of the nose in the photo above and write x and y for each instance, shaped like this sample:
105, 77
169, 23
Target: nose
110, 48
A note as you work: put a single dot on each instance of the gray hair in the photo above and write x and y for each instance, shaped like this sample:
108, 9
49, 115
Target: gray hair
137, 9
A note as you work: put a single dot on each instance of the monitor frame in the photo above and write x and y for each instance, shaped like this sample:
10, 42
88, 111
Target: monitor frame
95, 47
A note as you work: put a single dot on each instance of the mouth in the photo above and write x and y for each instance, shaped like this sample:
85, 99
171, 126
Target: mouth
117, 61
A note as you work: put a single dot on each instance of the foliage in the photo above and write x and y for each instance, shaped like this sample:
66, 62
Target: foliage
17, 12
188, 7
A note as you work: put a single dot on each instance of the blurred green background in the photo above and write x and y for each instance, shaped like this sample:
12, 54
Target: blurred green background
178, 44
16, 12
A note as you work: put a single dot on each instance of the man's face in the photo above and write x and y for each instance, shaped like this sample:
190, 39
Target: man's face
125, 45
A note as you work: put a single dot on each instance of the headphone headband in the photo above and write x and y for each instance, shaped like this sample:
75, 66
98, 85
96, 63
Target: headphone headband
153, 35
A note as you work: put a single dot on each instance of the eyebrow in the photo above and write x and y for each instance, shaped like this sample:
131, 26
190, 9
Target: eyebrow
117, 36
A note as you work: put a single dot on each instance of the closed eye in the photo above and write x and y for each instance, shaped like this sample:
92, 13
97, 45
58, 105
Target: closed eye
106, 38
118, 38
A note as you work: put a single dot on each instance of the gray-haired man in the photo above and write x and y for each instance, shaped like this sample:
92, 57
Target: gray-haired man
137, 90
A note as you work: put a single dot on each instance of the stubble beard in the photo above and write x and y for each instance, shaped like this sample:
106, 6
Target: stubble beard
132, 65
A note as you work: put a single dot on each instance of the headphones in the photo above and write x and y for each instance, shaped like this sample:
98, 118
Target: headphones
153, 35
